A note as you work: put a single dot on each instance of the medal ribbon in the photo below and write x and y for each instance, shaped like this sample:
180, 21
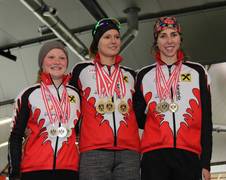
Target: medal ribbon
103, 79
62, 108
163, 87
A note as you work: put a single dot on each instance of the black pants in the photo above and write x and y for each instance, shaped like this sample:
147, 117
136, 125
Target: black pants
170, 164
50, 174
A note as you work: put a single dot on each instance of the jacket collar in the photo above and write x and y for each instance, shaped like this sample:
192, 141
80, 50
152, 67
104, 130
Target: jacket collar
180, 57
47, 79
118, 59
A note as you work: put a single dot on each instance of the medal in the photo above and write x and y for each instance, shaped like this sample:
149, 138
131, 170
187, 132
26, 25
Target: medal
109, 106
123, 107
107, 82
58, 111
62, 132
173, 107
167, 88
158, 107
69, 132
52, 131
162, 107
100, 107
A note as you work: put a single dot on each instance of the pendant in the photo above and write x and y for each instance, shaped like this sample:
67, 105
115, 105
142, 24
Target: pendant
62, 132
100, 107
52, 131
162, 107
173, 107
109, 106
123, 107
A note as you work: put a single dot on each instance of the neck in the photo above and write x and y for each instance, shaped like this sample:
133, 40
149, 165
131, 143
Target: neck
169, 60
57, 82
107, 60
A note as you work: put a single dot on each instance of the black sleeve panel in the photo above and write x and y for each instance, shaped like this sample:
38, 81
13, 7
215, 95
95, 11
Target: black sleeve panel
207, 126
139, 102
21, 116
74, 81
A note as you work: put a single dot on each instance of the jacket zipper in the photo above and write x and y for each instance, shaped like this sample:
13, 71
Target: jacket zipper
113, 113
57, 138
174, 121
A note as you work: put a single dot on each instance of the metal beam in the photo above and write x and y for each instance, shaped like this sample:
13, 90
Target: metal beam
8, 55
149, 16
10, 101
94, 9
187, 10
48, 16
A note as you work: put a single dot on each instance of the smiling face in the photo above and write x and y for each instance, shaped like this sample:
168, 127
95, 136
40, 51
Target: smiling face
55, 63
168, 43
109, 43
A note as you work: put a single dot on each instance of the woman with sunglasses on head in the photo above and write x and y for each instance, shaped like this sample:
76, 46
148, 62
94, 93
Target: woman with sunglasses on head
109, 139
173, 106
42, 144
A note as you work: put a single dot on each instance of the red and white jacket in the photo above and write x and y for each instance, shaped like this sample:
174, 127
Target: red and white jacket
189, 128
112, 131
30, 122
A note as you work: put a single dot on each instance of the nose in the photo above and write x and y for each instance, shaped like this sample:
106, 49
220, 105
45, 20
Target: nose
169, 39
57, 61
113, 39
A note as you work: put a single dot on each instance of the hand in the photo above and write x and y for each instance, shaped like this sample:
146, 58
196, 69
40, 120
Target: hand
206, 174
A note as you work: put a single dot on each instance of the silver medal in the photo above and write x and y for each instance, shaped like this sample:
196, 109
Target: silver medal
173, 107
62, 132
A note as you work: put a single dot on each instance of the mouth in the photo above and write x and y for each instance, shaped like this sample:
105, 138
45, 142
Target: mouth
113, 47
169, 48
56, 68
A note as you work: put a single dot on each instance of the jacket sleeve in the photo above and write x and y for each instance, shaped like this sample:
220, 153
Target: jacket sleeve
207, 126
139, 102
75, 73
20, 119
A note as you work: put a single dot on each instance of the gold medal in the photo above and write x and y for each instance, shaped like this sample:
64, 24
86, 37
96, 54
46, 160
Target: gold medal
173, 107
100, 107
52, 131
162, 107
158, 107
109, 106
123, 107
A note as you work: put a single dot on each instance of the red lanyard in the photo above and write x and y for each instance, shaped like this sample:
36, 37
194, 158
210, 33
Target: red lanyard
163, 87
62, 108
107, 84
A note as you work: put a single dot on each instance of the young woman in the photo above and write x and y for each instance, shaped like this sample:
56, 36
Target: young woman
173, 106
109, 140
44, 121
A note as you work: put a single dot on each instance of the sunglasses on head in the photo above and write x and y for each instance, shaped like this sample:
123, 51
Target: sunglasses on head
104, 23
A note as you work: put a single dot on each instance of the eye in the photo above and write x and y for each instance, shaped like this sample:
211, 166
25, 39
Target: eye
50, 57
62, 58
107, 37
162, 35
174, 34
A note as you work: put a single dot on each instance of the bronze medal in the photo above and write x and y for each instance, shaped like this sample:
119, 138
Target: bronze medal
100, 107
109, 106
173, 107
62, 132
123, 107
162, 107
